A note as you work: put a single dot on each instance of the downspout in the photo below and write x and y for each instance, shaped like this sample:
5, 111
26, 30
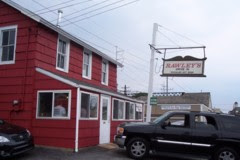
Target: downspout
77, 119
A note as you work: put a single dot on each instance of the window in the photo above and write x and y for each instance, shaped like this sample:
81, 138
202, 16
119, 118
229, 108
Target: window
129, 111
118, 109
138, 112
205, 122
89, 106
87, 65
8, 44
105, 72
63, 54
54, 104
178, 120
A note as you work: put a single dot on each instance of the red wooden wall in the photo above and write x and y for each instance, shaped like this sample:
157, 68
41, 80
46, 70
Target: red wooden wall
16, 79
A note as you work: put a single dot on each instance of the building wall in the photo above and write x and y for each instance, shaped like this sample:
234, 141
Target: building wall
46, 59
53, 132
16, 80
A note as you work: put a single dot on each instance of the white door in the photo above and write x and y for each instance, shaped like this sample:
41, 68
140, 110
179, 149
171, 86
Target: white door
104, 120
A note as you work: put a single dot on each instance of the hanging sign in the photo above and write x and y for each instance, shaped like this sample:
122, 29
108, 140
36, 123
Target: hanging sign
183, 67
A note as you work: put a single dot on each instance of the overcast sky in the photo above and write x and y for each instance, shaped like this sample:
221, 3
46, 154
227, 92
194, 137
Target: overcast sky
213, 23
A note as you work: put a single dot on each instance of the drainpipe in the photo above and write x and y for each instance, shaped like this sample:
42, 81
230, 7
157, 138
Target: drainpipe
77, 119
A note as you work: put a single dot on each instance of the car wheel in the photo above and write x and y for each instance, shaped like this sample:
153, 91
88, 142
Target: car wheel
226, 153
138, 148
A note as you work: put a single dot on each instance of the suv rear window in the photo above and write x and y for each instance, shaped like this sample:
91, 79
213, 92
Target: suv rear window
231, 124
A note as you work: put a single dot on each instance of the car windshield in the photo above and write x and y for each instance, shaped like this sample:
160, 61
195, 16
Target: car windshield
161, 118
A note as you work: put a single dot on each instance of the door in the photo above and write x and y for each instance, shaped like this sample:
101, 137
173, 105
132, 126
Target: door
104, 120
174, 135
205, 134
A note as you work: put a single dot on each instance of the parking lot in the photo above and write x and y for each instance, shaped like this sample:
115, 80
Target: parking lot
91, 153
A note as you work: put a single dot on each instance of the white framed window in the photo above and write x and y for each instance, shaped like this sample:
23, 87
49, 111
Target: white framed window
104, 72
89, 106
8, 39
63, 51
129, 111
87, 65
138, 111
118, 109
54, 104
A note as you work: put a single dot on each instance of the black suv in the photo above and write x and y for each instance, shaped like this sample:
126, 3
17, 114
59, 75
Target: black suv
186, 134
14, 140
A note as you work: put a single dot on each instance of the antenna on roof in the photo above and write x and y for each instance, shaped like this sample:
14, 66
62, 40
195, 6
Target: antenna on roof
60, 12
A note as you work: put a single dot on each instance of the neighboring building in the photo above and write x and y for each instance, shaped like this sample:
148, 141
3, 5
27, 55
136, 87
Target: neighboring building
180, 102
57, 86
235, 110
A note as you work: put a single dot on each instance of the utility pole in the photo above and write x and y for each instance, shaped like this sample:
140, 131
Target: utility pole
150, 83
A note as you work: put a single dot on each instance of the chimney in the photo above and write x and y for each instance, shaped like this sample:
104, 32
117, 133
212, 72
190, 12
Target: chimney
60, 12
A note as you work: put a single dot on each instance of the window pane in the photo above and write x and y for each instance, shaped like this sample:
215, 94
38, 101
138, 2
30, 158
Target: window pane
120, 110
5, 37
85, 70
12, 37
115, 109
85, 105
64, 48
138, 112
104, 109
10, 53
86, 58
60, 46
5, 54
93, 106
131, 111
61, 105
104, 77
127, 110
45, 105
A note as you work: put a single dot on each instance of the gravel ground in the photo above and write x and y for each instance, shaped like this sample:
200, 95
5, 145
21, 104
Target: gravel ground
91, 153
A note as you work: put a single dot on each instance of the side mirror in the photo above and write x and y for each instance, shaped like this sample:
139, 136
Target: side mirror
165, 124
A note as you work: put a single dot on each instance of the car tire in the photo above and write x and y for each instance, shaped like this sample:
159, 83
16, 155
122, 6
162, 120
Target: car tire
138, 148
226, 153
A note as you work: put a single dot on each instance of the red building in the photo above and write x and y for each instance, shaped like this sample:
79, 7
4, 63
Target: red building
60, 88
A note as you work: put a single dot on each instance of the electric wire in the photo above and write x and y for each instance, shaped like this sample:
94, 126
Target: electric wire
185, 37
94, 10
64, 7
102, 12
77, 11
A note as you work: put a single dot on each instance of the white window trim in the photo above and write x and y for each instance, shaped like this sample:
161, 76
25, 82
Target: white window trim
15, 44
55, 91
66, 69
124, 108
90, 65
107, 72
81, 105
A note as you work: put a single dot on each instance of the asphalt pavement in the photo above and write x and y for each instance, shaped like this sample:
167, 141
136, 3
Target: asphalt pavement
106, 152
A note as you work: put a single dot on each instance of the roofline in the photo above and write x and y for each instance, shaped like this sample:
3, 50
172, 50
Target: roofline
73, 84
60, 31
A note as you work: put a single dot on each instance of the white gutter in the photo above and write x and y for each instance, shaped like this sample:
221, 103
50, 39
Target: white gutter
47, 73
77, 119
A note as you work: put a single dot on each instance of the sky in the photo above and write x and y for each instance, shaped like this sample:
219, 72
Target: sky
127, 30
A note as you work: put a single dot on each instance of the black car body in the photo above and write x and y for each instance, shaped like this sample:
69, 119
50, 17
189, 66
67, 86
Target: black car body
183, 134
14, 140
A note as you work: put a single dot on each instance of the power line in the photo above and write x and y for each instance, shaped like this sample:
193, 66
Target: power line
179, 85
77, 11
63, 7
54, 6
102, 12
180, 35
168, 38
95, 10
